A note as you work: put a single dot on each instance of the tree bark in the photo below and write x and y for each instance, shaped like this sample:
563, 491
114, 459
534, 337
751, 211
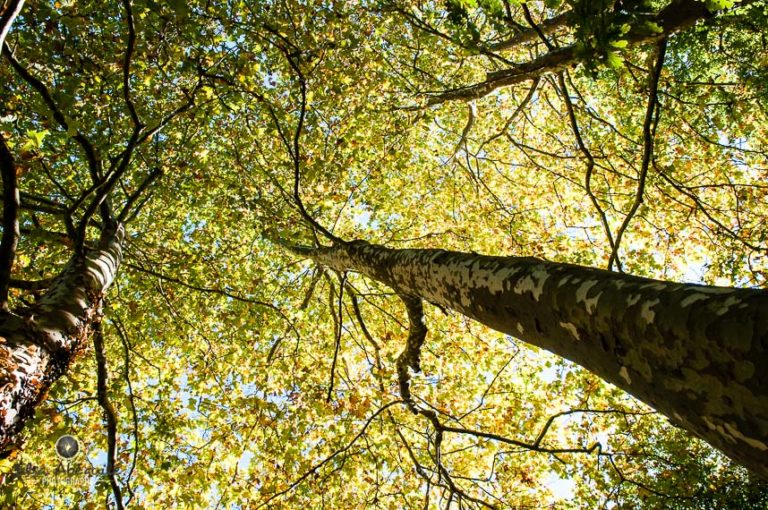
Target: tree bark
675, 17
38, 344
8, 12
697, 354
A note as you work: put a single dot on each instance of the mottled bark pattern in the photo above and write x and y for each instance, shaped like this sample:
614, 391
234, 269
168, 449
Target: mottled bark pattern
697, 354
38, 344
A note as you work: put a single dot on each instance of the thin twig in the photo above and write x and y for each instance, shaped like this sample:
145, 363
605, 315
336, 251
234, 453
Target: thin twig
339, 328
109, 412
146, 183
535, 27
653, 106
121, 332
590, 163
325, 461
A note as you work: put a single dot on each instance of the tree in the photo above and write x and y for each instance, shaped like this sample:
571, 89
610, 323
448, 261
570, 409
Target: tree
221, 135
642, 335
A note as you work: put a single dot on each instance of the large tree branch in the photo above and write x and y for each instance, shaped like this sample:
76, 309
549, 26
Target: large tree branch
695, 353
339, 327
39, 346
11, 204
410, 357
677, 16
140, 190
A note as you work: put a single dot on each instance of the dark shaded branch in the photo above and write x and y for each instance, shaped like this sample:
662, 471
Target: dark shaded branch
117, 322
426, 27
535, 27
33, 205
55, 181
339, 327
653, 106
94, 165
550, 62
676, 16
31, 285
292, 145
297, 152
590, 163
146, 183
410, 356
138, 137
11, 204
360, 321
94, 162
471, 112
127, 65
109, 411
208, 290
441, 469
699, 205
546, 27
528, 446
54, 207
303, 306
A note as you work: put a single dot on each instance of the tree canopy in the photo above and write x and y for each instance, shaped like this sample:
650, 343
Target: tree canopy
173, 172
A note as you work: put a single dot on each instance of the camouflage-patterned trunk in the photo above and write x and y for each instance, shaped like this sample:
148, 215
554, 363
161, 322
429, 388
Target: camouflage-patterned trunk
697, 354
38, 344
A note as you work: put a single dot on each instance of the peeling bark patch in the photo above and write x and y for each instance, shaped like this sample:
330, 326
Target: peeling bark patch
520, 328
715, 290
731, 434
754, 443
570, 328
533, 283
624, 374
654, 286
25, 365
591, 303
743, 371
688, 301
498, 281
581, 296
646, 313
633, 299
727, 305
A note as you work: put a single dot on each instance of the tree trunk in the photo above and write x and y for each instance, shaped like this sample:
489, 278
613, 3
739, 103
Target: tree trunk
38, 344
697, 354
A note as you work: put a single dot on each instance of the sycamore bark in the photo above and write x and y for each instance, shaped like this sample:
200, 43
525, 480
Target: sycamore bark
697, 354
38, 344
